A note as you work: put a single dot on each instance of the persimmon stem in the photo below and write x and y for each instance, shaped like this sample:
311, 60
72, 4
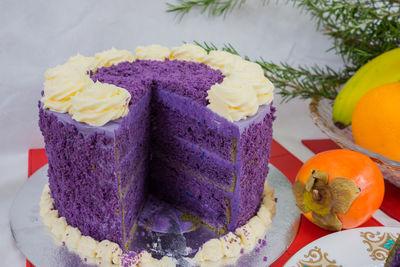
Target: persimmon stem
316, 195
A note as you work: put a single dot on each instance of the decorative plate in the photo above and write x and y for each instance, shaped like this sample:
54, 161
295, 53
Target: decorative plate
321, 113
366, 247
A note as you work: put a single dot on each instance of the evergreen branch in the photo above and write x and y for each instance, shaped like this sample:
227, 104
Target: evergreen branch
291, 82
227, 47
214, 7
360, 29
304, 82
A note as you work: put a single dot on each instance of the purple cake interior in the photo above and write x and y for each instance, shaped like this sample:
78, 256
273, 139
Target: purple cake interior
170, 145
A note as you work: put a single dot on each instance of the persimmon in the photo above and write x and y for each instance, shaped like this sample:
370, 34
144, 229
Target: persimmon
339, 189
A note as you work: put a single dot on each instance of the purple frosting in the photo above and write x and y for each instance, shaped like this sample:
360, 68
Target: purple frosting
170, 144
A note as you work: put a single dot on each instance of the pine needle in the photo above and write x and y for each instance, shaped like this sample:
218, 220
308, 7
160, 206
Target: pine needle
360, 31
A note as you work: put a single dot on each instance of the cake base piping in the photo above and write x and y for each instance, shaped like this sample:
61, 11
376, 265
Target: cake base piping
229, 246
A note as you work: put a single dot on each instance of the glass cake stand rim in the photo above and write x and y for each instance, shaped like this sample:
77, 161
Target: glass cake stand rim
38, 245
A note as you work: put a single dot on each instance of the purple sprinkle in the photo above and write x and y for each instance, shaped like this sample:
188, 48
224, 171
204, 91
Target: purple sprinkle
264, 242
63, 243
276, 199
259, 241
265, 258
241, 251
258, 250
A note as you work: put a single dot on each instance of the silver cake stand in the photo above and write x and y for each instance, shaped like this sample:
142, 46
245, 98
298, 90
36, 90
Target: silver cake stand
39, 246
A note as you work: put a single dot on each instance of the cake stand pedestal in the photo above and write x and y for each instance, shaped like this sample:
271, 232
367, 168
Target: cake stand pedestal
39, 246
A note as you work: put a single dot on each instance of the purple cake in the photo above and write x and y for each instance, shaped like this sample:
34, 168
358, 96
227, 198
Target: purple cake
169, 145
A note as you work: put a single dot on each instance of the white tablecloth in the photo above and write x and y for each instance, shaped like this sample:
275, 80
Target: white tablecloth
36, 35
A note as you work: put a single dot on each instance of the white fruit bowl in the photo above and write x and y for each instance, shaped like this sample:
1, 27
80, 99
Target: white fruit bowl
321, 114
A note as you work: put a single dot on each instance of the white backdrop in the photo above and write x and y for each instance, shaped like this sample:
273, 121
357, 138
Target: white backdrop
36, 35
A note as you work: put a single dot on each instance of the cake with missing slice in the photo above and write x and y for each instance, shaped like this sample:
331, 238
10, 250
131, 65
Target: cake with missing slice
190, 127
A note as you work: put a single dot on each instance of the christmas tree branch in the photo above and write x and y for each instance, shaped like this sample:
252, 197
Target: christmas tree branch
214, 7
360, 30
291, 82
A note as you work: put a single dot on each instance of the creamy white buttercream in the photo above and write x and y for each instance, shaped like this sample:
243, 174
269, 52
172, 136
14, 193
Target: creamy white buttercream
261, 85
108, 251
66, 81
146, 260
233, 99
222, 60
99, 104
257, 226
113, 57
59, 227
231, 244
84, 64
49, 217
243, 89
188, 52
58, 91
87, 247
75, 64
247, 236
265, 215
72, 237
210, 251
240, 71
152, 52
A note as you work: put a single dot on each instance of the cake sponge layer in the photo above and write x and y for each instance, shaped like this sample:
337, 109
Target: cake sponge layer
180, 117
170, 181
206, 164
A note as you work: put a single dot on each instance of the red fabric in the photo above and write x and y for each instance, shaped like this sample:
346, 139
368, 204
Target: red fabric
36, 159
320, 145
391, 200
282, 159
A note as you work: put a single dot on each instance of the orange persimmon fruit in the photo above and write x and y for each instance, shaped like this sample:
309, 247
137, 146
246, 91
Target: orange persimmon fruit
339, 189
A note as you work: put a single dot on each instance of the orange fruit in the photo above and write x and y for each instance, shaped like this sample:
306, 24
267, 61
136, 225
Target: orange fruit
376, 121
356, 167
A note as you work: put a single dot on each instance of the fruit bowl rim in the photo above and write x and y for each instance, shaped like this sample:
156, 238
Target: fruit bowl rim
345, 142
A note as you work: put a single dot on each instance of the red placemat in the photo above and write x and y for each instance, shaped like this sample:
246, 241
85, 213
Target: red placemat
391, 200
281, 158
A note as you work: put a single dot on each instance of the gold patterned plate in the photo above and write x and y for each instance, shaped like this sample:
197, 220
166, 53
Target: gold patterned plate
367, 247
